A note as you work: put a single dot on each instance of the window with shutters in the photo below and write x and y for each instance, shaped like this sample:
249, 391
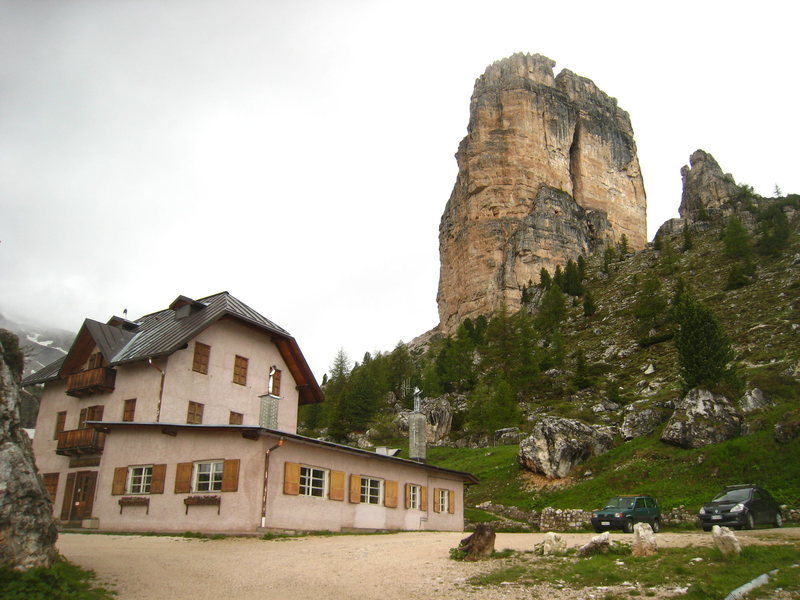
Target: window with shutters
202, 353
61, 420
51, 485
235, 418
274, 383
414, 496
371, 490
240, 370
194, 414
313, 481
207, 476
129, 409
139, 479
443, 500
90, 413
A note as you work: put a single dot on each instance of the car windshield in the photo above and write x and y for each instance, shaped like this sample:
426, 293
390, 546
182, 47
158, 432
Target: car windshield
619, 502
738, 495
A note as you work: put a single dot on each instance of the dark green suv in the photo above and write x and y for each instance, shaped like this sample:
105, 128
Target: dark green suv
622, 512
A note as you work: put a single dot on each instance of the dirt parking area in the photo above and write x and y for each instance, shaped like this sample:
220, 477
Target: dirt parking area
411, 565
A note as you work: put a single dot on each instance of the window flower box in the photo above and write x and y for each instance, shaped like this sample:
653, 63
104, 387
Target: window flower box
202, 501
134, 501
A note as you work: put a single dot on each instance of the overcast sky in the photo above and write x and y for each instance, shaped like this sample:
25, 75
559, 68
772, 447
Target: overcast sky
299, 154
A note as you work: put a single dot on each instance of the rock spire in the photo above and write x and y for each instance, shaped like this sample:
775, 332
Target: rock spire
548, 170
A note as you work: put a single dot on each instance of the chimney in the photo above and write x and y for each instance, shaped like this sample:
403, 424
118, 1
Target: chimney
417, 423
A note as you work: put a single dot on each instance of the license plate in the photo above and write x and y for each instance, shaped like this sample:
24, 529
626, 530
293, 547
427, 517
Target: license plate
716, 517
605, 522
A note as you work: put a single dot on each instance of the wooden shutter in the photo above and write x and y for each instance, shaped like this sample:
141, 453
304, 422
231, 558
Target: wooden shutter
276, 383
451, 501
240, 370
291, 478
96, 413
66, 505
235, 418
408, 495
423, 497
230, 475
82, 418
50, 481
336, 489
61, 419
183, 478
120, 478
129, 410
436, 500
201, 355
390, 494
355, 489
158, 479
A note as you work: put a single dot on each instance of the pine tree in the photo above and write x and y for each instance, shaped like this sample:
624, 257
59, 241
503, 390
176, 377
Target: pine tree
775, 231
589, 306
552, 310
688, 241
609, 256
581, 267
558, 278
622, 246
572, 279
736, 239
650, 304
704, 351
544, 279
581, 379
669, 258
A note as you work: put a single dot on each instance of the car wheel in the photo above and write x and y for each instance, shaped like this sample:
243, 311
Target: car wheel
628, 526
656, 525
778, 519
748, 521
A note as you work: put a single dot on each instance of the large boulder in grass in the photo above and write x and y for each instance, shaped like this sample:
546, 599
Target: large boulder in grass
641, 418
599, 544
725, 540
556, 445
644, 540
702, 418
754, 401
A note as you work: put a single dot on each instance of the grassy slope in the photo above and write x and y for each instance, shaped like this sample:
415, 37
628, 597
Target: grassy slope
758, 319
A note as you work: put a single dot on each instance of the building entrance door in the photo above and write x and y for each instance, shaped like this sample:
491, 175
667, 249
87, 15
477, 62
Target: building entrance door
83, 496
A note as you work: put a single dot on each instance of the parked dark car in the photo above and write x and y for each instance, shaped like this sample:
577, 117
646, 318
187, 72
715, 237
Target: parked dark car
622, 512
742, 507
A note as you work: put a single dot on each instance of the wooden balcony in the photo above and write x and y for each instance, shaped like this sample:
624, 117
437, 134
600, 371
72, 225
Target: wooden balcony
93, 381
80, 442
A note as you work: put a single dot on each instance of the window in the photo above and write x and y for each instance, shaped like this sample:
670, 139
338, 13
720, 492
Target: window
274, 383
90, 413
95, 361
202, 352
61, 419
414, 496
313, 481
443, 501
194, 414
139, 479
207, 476
236, 418
51, 485
240, 370
129, 409
371, 490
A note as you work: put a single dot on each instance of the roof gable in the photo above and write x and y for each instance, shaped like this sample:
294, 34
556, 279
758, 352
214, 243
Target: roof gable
108, 339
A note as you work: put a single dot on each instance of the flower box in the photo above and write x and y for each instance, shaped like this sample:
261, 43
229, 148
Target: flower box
202, 501
134, 501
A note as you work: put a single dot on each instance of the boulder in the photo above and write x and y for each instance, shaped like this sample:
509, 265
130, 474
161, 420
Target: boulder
479, 544
644, 540
725, 540
599, 544
641, 418
702, 418
27, 529
553, 544
556, 445
754, 401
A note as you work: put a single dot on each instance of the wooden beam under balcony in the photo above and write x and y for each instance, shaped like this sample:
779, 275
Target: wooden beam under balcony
92, 381
80, 442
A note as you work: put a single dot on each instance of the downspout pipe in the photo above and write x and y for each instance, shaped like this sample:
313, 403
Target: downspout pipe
160, 389
266, 480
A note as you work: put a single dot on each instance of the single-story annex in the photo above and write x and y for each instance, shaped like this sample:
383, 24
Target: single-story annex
186, 420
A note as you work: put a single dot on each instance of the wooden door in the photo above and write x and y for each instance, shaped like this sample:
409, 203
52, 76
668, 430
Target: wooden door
83, 496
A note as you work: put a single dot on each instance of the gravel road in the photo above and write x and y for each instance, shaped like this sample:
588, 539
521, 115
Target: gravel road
411, 565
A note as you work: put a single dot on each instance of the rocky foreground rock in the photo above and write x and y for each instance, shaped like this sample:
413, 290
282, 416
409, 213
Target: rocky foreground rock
547, 171
27, 530
700, 419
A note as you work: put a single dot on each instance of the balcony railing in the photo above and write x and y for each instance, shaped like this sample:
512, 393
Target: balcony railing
93, 381
80, 442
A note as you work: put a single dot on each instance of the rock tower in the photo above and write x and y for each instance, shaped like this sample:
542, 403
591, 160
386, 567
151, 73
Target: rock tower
548, 171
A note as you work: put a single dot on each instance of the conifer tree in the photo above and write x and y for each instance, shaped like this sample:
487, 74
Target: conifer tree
572, 279
736, 239
589, 306
552, 310
688, 241
650, 304
774, 230
544, 279
669, 258
622, 246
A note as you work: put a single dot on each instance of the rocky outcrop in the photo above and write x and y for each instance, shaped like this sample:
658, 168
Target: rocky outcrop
547, 171
702, 418
557, 445
27, 529
754, 401
705, 187
641, 418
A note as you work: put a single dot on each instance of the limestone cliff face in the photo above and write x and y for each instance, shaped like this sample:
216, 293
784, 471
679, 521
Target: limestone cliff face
705, 186
547, 171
